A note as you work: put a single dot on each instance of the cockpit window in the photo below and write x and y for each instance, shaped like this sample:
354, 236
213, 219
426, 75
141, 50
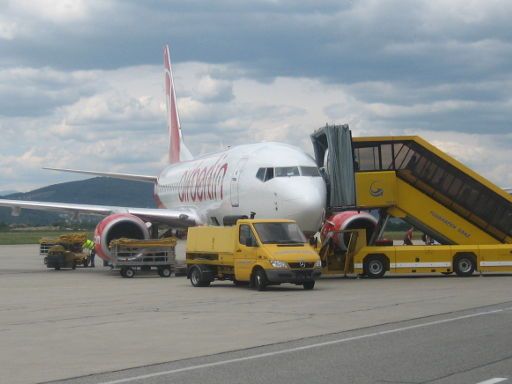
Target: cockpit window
265, 174
309, 171
287, 171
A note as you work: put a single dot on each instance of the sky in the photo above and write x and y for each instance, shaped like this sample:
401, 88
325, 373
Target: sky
81, 81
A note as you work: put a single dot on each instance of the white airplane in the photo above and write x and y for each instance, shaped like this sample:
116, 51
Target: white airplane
273, 180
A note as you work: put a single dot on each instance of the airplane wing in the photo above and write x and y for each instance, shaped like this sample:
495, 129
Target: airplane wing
123, 176
174, 217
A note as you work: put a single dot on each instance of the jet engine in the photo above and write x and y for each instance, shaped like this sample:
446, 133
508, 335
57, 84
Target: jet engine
116, 226
347, 220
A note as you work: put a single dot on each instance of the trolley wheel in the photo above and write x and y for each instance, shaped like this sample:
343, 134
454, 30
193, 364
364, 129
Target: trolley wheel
73, 266
375, 266
129, 272
464, 265
121, 272
57, 268
308, 285
164, 271
259, 280
196, 278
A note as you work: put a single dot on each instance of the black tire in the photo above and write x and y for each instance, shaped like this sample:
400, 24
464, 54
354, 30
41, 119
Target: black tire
197, 279
259, 280
165, 271
309, 285
375, 266
129, 273
464, 265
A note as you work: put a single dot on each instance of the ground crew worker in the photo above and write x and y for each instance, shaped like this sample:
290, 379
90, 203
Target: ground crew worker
89, 244
408, 236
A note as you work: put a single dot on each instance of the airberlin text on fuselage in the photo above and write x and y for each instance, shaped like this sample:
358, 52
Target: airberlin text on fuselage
203, 183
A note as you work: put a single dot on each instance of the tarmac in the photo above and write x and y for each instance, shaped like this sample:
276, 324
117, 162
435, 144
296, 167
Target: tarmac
66, 324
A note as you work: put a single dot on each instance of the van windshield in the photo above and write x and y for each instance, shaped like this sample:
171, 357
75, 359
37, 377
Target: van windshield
279, 233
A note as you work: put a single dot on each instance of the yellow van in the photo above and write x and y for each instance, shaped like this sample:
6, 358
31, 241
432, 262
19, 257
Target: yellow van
255, 251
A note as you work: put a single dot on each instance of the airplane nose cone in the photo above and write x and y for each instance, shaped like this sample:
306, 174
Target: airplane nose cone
306, 205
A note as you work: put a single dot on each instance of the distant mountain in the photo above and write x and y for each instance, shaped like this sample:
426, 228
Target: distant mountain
7, 192
98, 190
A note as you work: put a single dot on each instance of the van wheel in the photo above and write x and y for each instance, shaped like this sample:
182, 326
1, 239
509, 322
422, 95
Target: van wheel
464, 265
308, 285
196, 278
259, 280
375, 267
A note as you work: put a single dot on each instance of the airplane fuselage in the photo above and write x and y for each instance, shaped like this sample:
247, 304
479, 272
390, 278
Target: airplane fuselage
274, 180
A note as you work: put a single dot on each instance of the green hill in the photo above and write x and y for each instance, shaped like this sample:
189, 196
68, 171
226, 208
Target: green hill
98, 191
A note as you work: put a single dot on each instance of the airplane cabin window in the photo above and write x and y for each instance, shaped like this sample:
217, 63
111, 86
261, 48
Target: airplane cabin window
309, 171
287, 171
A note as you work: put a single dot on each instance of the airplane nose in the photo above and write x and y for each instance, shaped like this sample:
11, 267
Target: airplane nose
306, 205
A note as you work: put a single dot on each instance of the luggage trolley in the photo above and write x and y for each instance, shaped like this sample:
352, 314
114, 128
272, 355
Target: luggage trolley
130, 255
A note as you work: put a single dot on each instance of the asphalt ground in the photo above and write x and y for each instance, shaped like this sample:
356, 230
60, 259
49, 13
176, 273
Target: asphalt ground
72, 324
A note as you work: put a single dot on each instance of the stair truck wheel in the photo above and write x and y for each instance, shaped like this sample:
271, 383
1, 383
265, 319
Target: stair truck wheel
464, 265
129, 272
259, 280
375, 266
308, 285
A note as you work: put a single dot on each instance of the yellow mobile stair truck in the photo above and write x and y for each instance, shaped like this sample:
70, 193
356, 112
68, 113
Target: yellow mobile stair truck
408, 178
255, 251
374, 261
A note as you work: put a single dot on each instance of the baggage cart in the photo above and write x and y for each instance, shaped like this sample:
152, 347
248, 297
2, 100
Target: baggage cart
131, 255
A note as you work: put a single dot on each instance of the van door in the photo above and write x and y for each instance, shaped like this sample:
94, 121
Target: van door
234, 188
246, 253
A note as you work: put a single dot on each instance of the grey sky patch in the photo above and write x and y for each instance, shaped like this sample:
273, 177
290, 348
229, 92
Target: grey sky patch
86, 78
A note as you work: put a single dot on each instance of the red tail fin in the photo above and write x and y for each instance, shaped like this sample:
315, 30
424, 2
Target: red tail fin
173, 119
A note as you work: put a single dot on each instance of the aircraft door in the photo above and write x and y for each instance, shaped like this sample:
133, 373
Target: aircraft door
234, 186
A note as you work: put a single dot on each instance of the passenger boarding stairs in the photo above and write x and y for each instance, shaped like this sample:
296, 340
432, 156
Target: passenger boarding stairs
409, 178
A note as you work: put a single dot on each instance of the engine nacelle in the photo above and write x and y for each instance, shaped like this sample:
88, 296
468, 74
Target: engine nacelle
116, 226
348, 220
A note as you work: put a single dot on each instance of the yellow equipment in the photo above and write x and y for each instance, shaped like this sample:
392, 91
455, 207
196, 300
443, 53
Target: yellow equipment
374, 261
260, 252
409, 178
64, 251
